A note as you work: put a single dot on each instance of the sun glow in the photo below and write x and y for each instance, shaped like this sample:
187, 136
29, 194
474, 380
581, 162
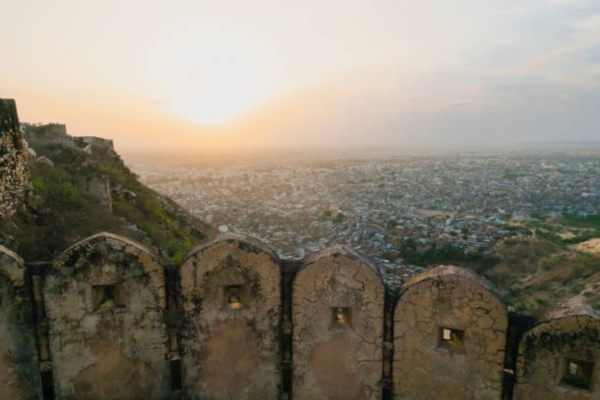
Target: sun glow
217, 75
216, 95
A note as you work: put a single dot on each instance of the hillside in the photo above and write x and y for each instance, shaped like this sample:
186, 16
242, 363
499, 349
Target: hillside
558, 264
79, 186
548, 262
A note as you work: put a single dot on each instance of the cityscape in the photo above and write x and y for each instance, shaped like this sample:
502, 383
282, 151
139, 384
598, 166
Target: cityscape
298, 204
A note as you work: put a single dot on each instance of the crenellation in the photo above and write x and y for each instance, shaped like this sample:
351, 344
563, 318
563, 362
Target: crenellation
105, 319
105, 301
231, 302
558, 358
458, 322
337, 310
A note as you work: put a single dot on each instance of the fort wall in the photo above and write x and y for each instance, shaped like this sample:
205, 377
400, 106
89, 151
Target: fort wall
49, 134
450, 334
231, 313
337, 314
558, 359
13, 160
105, 304
234, 321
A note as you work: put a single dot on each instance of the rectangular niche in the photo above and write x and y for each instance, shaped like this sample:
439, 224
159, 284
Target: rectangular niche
341, 316
108, 296
451, 339
578, 374
176, 376
233, 297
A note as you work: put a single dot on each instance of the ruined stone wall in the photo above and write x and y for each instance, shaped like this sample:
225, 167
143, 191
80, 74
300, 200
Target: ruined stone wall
449, 337
337, 315
19, 377
560, 359
48, 134
98, 142
99, 186
235, 321
13, 160
231, 308
105, 303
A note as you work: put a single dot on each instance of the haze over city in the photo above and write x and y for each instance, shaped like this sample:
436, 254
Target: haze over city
185, 76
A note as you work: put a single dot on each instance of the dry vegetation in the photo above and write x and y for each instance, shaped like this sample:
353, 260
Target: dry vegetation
60, 210
536, 274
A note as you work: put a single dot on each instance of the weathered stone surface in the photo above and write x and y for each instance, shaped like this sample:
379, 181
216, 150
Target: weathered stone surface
337, 312
51, 134
98, 143
106, 316
19, 376
99, 186
547, 350
470, 364
13, 160
231, 301
105, 303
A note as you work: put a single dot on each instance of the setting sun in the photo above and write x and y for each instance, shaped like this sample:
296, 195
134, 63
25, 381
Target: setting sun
216, 96
216, 75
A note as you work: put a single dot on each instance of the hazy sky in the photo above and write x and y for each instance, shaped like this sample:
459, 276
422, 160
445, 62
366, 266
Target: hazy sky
187, 74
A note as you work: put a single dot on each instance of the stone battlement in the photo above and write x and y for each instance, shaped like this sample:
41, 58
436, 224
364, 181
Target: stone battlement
106, 320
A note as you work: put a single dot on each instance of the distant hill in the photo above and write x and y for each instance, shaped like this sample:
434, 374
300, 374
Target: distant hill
79, 186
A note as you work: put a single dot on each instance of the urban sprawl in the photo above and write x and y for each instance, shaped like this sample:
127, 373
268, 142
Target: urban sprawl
300, 204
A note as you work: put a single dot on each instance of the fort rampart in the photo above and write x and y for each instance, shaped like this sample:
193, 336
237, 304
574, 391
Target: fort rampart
105, 320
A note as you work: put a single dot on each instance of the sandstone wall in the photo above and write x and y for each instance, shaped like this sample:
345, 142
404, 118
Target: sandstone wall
233, 321
231, 304
337, 315
19, 376
560, 359
449, 337
13, 160
105, 304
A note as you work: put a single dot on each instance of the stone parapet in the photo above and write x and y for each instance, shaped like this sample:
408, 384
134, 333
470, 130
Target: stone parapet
236, 321
560, 359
